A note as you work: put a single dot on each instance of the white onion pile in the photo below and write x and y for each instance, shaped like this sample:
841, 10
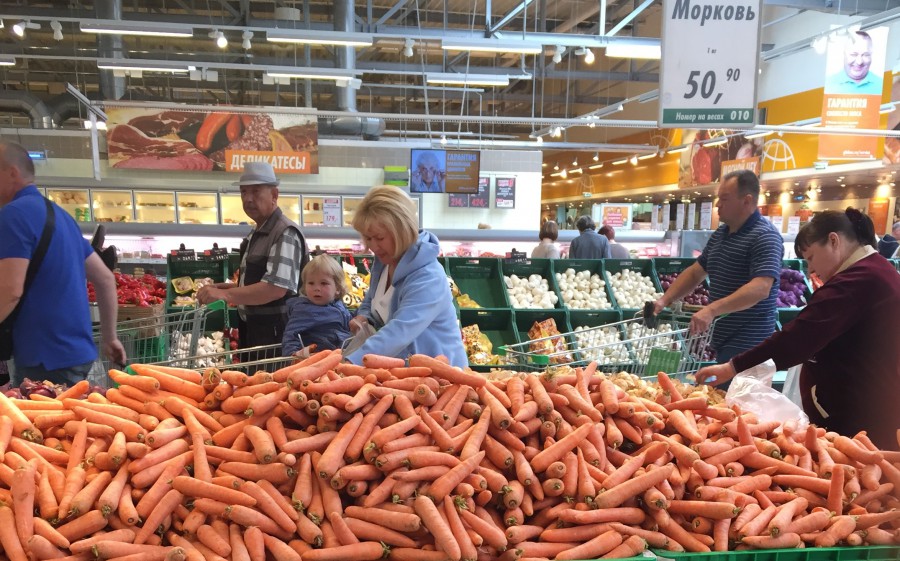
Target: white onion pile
603, 344
531, 293
656, 338
632, 289
582, 290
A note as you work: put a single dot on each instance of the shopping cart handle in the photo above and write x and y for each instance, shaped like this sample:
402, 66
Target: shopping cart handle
650, 318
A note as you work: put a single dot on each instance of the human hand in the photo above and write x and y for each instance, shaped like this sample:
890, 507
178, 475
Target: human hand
305, 352
658, 306
358, 323
701, 321
716, 374
209, 293
115, 352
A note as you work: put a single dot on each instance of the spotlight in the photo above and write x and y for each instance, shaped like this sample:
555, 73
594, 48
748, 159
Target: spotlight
245, 40
57, 30
408, 48
596, 156
219, 37
588, 56
558, 53
19, 28
575, 162
443, 139
557, 132
633, 160
539, 140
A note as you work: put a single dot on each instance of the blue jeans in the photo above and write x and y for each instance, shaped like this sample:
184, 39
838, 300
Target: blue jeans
67, 376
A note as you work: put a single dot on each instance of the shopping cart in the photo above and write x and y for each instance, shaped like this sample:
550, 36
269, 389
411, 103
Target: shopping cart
160, 338
250, 360
636, 346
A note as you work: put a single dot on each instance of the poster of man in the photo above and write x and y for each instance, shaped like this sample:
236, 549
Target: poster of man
428, 174
855, 64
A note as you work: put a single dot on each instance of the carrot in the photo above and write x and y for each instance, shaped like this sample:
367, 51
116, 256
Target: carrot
555, 451
813, 522
443, 485
840, 528
276, 473
84, 500
45, 498
436, 525
44, 529
787, 540
201, 489
447, 372
88, 523
269, 507
625, 515
786, 513
333, 457
133, 431
386, 362
23, 493
363, 551
209, 537
490, 532
593, 548
835, 493
12, 545
617, 495
716, 511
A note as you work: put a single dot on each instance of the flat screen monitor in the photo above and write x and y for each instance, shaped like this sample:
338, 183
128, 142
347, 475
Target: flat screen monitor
444, 171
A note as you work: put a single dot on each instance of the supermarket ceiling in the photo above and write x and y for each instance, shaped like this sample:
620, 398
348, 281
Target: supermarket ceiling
405, 48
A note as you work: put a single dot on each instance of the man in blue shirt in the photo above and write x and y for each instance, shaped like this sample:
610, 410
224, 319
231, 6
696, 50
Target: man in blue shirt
52, 337
855, 78
589, 244
743, 261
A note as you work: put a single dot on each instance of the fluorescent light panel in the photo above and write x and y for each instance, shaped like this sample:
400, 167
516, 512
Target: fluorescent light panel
634, 51
489, 46
311, 37
312, 74
757, 134
467, 79
7, 61
137, 28
677, 150
144, 66
718, 142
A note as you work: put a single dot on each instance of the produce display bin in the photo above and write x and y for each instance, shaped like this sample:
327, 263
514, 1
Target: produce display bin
528, 267
497, 325
785, 315
525, 319
642, 266
797, 265
593, 266
861, 553
591, 319
670, 265
216, 270
480, 278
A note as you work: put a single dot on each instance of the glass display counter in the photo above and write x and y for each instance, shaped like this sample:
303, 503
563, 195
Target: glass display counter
112, 206
74, 201
350, 206
312, 211
198, 208
232, 210
154, 206
290, 206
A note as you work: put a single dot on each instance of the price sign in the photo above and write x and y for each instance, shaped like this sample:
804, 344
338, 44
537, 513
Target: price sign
710, 53
482, 199
182, 255
458, 200
215, 254
505, 192
331, 211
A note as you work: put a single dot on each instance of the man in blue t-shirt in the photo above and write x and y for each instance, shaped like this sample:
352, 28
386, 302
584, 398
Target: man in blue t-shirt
52, 338
743, 262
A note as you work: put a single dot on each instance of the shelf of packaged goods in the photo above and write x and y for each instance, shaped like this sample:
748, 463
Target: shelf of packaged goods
141, 261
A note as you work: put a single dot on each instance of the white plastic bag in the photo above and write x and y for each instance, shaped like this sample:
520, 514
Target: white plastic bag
791, 388
355, 342
752, 391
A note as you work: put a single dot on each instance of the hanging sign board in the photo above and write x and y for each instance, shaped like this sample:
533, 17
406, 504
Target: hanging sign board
710, 56
706, 215
691, 216
505, 192
458, 200
679, 216
482, 199
331, 211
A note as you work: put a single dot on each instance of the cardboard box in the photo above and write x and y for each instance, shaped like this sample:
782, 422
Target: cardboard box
148, 321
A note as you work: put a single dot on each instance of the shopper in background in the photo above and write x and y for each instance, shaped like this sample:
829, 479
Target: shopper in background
889, 244
317, 316
743, 262
845, 337
547, 249
409, 300
616, 250
589, 244
51, 322
272, 256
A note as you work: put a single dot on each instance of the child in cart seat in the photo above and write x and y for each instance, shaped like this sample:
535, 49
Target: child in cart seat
317, 318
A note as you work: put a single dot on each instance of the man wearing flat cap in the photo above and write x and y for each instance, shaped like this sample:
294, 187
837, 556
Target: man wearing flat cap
272, 256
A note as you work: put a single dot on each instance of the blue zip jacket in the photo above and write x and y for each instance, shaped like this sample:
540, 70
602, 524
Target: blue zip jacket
423, 319
325, 326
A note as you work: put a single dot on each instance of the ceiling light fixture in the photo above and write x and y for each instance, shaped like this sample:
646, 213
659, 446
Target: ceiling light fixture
609, 110
556, 132
443, 139
564, 174
245, 39
588, 56
887, 108
633, 160
144, 66
716, 142
619, 162
647, 156
467, 79
758, 134
575, 162
539, 140
57, 30
595, 166
678, 149
558, 52
596, 156
555, 167
618, 50
219, 38
116, 27
408, 48
7, 61
313, 74
19, 28
492, 46
311, 37
648, 97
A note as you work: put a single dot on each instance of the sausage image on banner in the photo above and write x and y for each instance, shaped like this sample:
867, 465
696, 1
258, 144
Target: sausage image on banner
134, 149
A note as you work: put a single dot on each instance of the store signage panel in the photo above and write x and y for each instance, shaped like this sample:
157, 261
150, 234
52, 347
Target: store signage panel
482, 199
679, 216
878, 212
211, 141
705, 165
691, 216
444, 171
331, 211
458, 200
706, 215
854, 82
617, 216
751, 164
710, 56
505, 192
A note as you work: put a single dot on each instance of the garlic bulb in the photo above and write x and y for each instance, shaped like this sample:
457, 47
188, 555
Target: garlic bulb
532, 292
632, 289
582, 291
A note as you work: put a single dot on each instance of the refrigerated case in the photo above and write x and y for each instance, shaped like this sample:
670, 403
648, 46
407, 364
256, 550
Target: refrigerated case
74, 201
232, 209
197, 208
312, 211
350, 206
290, 206
112, 206
157, 207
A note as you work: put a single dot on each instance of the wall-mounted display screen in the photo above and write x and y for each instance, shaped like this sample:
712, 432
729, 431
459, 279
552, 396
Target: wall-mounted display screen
444, 171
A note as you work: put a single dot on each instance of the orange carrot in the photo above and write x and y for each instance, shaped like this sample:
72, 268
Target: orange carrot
201, 489
436, 525
12, 546
363, 551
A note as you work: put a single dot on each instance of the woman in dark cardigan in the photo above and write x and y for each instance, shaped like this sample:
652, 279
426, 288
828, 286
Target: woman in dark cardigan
848, 336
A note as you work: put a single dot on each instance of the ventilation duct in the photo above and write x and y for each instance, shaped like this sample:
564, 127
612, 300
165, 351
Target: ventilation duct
63, 107
112, 87
24, 102
345, 58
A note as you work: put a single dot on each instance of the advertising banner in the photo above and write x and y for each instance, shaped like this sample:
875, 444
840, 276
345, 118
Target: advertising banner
705, 165
878, 212
444, 171
617, 216
505, 192
710, 55
211, 140
853, 86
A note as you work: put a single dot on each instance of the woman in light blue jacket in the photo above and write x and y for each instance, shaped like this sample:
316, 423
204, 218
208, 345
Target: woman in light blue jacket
409, 300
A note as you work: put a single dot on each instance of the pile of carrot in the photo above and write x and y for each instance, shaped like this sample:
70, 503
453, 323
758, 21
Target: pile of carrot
327, 461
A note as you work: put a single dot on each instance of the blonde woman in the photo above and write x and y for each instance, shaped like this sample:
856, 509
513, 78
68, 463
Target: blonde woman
318, 316
409, 300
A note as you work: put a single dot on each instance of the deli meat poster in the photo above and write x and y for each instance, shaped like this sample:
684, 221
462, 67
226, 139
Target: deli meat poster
211, 140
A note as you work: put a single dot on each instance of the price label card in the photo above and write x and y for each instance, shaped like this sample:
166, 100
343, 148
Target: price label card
710, 56
458, 200
215, 254
331, 212
182, 255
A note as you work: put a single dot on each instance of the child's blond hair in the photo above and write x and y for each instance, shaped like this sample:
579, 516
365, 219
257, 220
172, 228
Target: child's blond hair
328, 265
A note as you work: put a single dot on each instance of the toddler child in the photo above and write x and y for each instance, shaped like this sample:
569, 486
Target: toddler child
318, 316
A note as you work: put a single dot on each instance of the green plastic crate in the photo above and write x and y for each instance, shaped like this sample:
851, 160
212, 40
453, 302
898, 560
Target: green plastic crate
216, 270
896, 263
594, 266
480, 278
497, 325
528, 267
785, 315
643, 266
523, 320
862, 553
798, 265
593, 319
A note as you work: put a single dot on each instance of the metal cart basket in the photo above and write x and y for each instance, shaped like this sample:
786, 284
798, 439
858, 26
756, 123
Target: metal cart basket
625, 346
250, 360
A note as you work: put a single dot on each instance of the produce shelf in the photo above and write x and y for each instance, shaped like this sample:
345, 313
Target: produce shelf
672, 265
642, 266
797, 265
862, 553
593, 266
497, 325
528, 267
480, 278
